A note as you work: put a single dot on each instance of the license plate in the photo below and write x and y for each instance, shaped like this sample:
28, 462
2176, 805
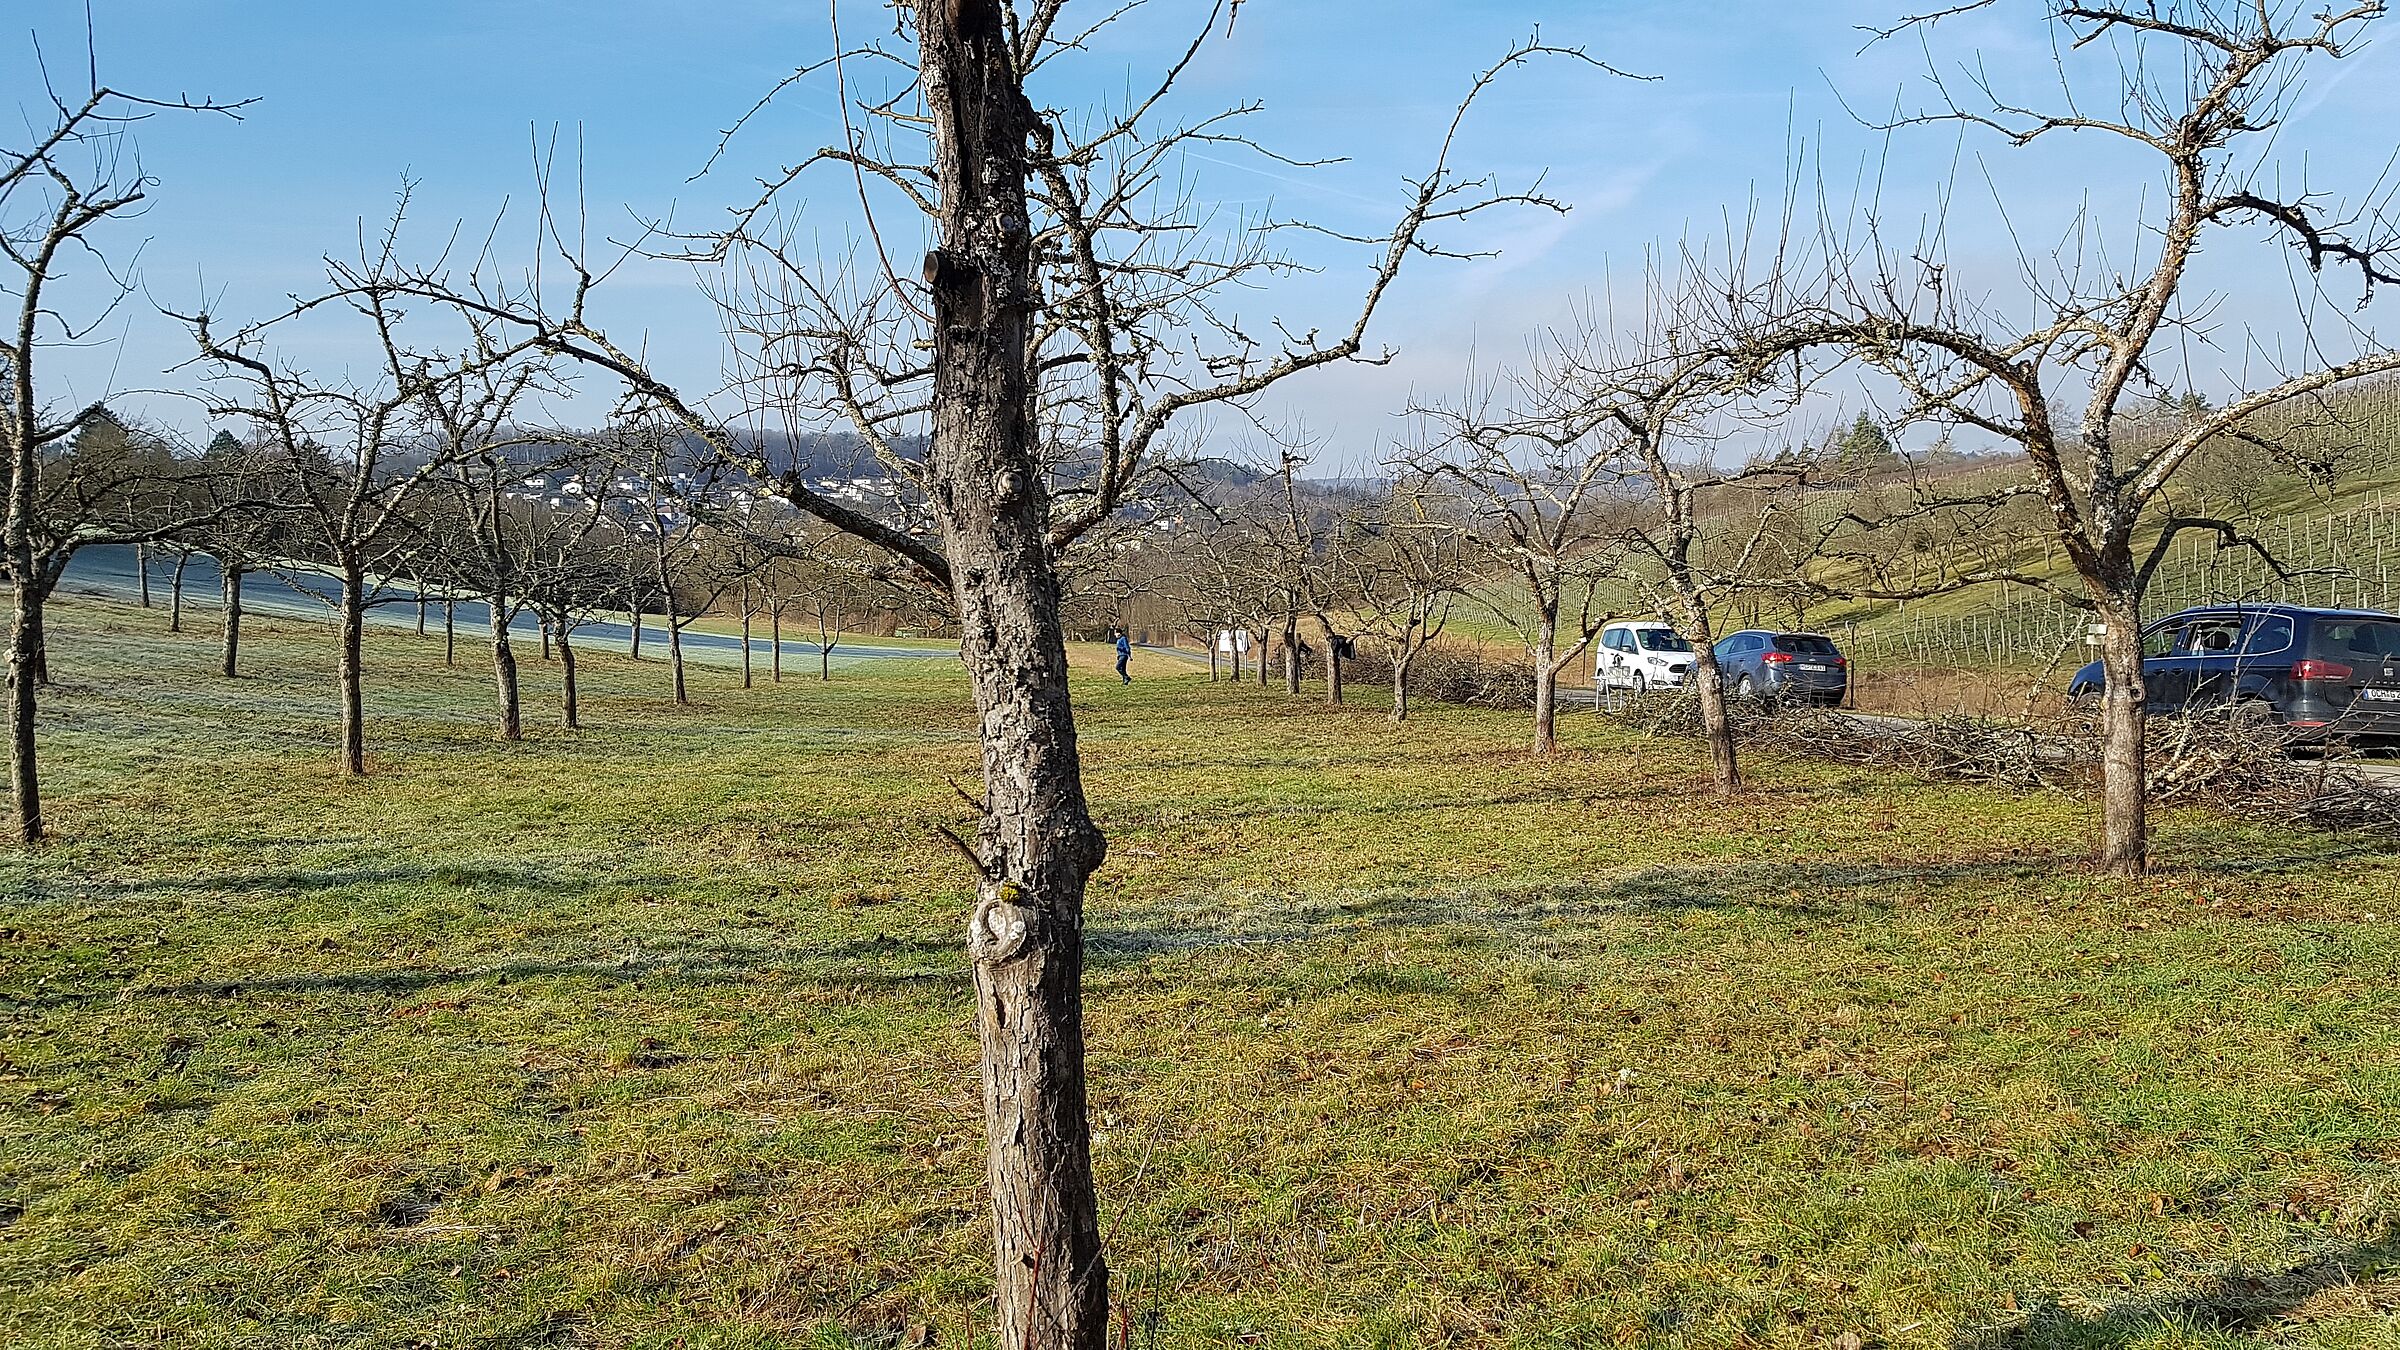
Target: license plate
1811, 665
2381, 695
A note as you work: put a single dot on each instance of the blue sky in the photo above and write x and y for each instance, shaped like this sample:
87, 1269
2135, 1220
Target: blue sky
352, 97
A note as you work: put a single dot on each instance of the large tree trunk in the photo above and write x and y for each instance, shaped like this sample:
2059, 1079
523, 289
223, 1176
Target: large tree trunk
1291, 657
350, 667
2124, 785
1037, 841
1401, 658
183, 558
229, 584
24, 656
504, 671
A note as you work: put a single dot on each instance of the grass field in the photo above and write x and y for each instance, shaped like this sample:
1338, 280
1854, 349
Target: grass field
657, 1035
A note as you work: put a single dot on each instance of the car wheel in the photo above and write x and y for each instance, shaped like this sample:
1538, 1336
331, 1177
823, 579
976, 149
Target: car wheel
2254, 715
1641, 685
1746, 691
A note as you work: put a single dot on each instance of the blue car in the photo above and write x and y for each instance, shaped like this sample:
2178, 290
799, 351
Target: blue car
2323, 672
1778, 668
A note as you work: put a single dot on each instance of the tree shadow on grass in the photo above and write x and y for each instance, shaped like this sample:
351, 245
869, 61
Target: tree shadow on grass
1548, 911
293, 881
2237, 1302
868, 964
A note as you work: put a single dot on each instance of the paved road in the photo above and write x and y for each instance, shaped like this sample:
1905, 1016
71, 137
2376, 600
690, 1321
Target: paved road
110, 571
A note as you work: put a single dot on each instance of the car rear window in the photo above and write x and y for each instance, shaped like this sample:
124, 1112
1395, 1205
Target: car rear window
2344, 638
1663, 640
1804, 644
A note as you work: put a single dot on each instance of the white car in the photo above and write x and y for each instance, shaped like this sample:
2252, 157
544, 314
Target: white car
1640, 655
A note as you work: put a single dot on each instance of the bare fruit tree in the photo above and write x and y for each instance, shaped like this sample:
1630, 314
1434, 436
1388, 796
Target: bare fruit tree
74, 176
493, 492
1022, 383
1532, 493
1670, 411
358, 451
1408, 566
2205, 91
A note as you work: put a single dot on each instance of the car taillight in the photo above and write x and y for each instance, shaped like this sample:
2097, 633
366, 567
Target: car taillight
1776, 658
1840, 662
2313, 669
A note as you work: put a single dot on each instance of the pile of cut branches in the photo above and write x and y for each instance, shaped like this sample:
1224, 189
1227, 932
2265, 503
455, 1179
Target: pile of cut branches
2239, 765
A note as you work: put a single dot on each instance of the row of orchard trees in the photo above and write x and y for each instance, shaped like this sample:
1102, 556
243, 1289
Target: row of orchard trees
442, 497
1072, 308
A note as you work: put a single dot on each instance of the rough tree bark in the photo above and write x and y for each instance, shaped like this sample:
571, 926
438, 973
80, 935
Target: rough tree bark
1716, 728
2124, 793
1037, 844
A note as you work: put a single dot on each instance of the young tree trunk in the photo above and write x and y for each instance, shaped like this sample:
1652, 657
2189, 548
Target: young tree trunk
1037, 842
1716, 727
746, 647
775, 639
544, 626
24, 656
350, 666
1212, 661
675, 654
504, 670
1333, 664
229, 583
449, 631
637, 631
1291, 657
1401, 658
420, 609
141, 568
183, 559
1545, 690
2124, 770
827, 635
1716, 724
570, 708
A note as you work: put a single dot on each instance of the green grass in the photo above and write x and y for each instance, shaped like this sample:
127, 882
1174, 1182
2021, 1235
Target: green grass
659, 1034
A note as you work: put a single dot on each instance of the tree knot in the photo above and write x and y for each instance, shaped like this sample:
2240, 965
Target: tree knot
1003, 925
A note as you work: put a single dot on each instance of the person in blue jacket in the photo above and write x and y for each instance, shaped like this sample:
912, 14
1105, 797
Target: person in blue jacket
1124, 654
